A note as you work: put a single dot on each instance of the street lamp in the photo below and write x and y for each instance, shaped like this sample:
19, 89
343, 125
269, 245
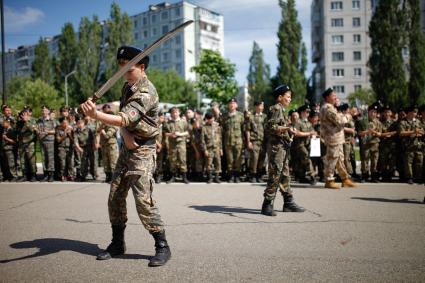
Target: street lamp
66, 86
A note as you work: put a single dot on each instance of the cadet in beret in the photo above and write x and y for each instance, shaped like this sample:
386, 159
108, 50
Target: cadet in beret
138, 119
46, 135
349, 133
211, 145
26, 146
278, 127
387, 146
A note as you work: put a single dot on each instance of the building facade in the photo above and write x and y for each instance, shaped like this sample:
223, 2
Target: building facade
340, 45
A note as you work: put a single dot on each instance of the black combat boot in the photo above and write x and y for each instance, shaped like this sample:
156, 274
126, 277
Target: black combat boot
158, 179
210, 177
108, 178
172, 178
33, 178
185, 180
162, 250
375, 177
236, 178
217, 178
258, 177
267, 208
312, 180
117, 245
252, 178
289, 204
51, 177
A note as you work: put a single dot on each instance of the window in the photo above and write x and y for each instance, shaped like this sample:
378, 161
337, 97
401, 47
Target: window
136, 36
154, 58
154, 31
177, 12
357, 56
178, 53
356, 22
145, 34
337, 39
357, 38
164, 15
338, 73
164, 29
145, 21
135, 23
356, 4
337, 22
153, 18
165, 57
179, 68
337, 56
357, 72
178, 39
357, 87
336, 5
339, 88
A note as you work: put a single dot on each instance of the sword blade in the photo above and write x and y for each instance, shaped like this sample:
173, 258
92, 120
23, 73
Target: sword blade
109, 83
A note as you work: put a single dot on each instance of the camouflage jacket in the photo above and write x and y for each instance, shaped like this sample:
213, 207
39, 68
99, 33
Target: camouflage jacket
173, 126
255, 125
11, 134
332, 125
278, 117
211, 137
388, 126
195, 138
366, 124
233, 128
139, 106
110, 135
84, 138
411, 142
63, 139
26, 132
351, 125
44, 126
302, 125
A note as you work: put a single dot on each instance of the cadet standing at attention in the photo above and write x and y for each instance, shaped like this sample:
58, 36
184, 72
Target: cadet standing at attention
46, 135
138, 119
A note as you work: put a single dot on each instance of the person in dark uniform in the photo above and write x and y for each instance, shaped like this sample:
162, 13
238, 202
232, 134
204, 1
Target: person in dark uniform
138, 119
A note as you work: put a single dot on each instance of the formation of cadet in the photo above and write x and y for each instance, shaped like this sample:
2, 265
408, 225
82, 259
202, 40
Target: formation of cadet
68, 146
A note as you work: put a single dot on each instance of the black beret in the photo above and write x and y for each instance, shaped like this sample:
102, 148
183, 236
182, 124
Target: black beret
385, 108
129, 52
172, 109
209, 115
233, 99
280, 90
45, 107
411, 108
327, 92
422, 108
292, 111
374, 106
313, 113
64, 108
258, 102
304, 107
343, 107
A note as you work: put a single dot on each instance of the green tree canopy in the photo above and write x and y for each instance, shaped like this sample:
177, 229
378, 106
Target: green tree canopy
363, 96
259, 76
41, 66
216, 76
172, 88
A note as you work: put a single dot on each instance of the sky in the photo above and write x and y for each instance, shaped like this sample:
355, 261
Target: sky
244, 21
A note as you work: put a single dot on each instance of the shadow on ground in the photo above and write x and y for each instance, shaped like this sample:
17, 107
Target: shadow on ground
224, 209
404, 200
49, 246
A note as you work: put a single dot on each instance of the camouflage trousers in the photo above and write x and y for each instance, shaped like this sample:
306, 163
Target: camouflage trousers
134, 169
369, 153
413, 162
82, 161
348, 149
279, 177
334, 158
177, 157
27, 158
387, 159
109, 157
160, 161
213, 161
48, 153
233, 157
256, 157
304, 166
64, 162
9, 163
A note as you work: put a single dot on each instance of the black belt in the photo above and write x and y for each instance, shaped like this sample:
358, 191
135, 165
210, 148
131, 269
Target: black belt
141, 142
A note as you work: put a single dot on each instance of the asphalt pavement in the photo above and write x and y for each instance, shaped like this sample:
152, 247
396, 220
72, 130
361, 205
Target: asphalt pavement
51, 232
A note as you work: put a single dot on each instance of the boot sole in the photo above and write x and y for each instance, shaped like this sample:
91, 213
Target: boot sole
159, 264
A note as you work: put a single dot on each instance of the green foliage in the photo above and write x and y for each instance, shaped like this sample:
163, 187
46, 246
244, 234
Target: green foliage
364, 96
216, 76
119, 33
172, 88
41, 66
88, 64
387, 33
258, 77
417, 55
34, 93
291, 53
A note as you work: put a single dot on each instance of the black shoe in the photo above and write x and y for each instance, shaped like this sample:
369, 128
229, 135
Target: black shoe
158, 179
108, 177
33, 178
172, 179
217, 178
117, 246
51, 177
209, 178
410, 182
162, 250
267, 208
312, 180
185, 180
290, 205
236, 177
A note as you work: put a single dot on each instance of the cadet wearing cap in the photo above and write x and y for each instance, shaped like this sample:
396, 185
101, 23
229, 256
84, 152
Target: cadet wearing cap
332, 132
233, 128
26, 146
138, 119
211, 144
349, 132
278, 127
108, 145
387, 146
46, 135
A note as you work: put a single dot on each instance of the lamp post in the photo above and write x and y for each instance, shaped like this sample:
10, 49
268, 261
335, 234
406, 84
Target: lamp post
66, 86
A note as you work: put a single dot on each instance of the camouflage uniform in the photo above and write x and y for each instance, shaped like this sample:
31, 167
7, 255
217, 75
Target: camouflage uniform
412, 148
47, 143
211, 142
108, 145
195, 141
135, 168
93, 154
369, 150
255, 126
84, 138
387, 150
348, 146
177, 146
160, 155
9, 154
26, 138
233, 128
65, 147
301, 149
332, 132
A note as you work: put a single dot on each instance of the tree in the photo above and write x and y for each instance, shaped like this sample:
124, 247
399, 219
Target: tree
363, 96
172, 88
216, 76
417, 54
89, 52
387, 74
119, 33
291, 52
41, 66
34, 93
259, 76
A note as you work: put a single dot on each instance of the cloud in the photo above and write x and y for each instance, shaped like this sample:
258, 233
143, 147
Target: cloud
240, 5
18, 20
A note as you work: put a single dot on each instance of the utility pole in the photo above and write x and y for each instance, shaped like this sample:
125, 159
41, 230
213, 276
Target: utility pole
66, 86
3, 77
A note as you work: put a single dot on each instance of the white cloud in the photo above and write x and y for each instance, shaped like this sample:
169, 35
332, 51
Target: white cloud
240, 5
18, 20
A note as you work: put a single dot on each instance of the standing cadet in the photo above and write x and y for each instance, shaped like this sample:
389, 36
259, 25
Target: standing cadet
9, 139
138, 119
64, 136
195, 143
26, 137
349, 133
255, 141
211, 144
83, 143
387, 146
332, 132
233, 128
176, 130
303, 131
160, 149
108, 145
279, 142
46, 135
411, 132
94, 153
